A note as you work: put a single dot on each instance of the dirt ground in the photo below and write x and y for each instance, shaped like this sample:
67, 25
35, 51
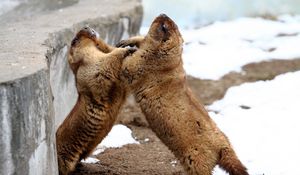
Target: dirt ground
151, 156
148, 157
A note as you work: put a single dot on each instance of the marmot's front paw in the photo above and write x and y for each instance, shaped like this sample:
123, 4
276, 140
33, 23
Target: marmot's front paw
125, 43
130, 50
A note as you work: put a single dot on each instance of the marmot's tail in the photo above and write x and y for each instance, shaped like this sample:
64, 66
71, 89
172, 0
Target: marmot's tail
230, 162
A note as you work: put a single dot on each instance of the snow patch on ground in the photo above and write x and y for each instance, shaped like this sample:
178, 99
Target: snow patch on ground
90, 160
215, 50
261, 120
119, 136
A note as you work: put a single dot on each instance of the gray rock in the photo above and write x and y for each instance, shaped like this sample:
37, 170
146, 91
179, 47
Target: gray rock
34, 71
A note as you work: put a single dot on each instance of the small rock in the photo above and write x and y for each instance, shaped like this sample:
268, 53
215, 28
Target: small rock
245, 107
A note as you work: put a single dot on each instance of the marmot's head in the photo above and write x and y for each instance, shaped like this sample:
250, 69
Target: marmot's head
86, 56
85, 35
86, 39
162, 46
164, 35
159, 52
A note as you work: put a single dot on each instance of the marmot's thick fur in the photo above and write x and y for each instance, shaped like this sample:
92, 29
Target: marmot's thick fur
157, 78
96, 67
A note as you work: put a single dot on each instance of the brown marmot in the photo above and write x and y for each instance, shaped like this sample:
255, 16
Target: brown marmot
96, 67
156, 76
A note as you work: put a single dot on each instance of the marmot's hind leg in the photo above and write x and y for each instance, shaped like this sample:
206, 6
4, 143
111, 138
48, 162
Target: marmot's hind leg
65, 167
230, 162
199, 162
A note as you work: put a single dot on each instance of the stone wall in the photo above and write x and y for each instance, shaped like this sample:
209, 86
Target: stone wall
36, 87
27, 126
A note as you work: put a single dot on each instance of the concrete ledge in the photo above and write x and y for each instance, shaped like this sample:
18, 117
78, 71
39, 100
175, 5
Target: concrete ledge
33, 58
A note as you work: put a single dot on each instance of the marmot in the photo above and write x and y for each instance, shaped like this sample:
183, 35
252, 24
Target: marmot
156, 76
96, 67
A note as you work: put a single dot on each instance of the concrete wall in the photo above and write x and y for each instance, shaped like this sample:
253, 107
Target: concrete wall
26, 132
36, 87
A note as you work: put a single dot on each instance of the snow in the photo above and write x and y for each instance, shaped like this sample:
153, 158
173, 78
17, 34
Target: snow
266, 136
227, 46
90, 160
98, 150
119, 136
212, 51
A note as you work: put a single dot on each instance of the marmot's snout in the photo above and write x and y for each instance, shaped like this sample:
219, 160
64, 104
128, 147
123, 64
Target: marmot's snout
163, 18
163, 15
87, 32
163, 25
90, 32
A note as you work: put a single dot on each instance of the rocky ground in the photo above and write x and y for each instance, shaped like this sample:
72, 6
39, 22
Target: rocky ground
153, 157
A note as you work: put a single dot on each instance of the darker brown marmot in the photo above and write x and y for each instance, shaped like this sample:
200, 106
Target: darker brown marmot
96, 67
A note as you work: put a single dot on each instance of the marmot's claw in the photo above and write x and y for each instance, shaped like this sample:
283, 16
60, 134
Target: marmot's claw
121, 43
132, 49
124, 43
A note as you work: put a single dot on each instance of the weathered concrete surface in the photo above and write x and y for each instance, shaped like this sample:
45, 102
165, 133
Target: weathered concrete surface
33, 57
26, 119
